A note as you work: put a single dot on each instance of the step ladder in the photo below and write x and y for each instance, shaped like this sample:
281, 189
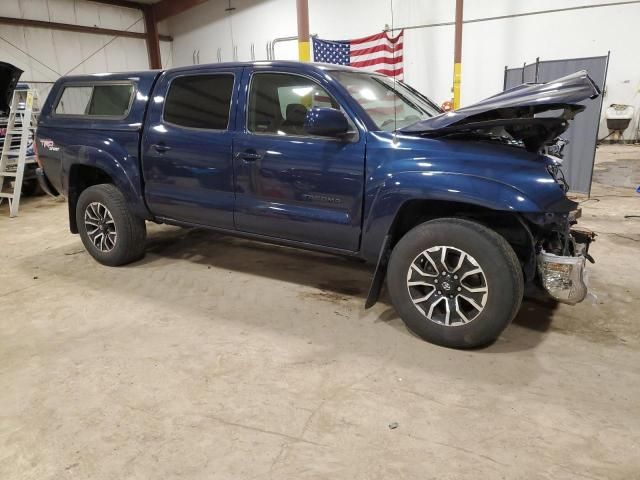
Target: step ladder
21, 124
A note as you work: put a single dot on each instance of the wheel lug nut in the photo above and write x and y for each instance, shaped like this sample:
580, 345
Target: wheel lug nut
439, 292
455, 276
436, 280
444, 273
459, 289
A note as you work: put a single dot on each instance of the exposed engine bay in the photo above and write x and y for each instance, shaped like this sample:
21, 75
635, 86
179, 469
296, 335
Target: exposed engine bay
516, 126
530, 115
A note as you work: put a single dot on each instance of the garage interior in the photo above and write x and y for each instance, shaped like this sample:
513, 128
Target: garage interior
222, 357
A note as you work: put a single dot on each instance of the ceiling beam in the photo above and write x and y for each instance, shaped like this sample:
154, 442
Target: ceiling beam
77, 28
153, 39
120, 3
168, 8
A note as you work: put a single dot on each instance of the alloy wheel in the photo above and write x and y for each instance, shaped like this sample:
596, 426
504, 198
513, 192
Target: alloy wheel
447, 285
100, 226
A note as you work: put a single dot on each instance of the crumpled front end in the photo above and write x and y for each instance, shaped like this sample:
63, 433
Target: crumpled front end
562, 251
529, 115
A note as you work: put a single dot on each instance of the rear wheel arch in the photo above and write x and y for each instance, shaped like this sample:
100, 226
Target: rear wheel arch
109, 229
82, 177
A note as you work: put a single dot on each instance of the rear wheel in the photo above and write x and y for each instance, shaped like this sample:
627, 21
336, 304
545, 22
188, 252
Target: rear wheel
110, 232
455, 283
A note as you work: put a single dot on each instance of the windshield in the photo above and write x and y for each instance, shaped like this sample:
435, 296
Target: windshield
390, 105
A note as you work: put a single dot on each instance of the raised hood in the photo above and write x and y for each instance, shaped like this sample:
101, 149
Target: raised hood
534, 114
9, 76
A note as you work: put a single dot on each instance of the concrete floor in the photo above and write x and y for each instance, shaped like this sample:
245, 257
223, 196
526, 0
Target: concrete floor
220, 358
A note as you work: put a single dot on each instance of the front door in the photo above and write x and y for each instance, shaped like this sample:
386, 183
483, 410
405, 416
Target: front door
291, 185
187, 146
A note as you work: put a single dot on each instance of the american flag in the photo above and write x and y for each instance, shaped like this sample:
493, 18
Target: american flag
376, 53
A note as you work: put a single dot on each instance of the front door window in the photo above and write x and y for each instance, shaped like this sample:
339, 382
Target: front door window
278, 103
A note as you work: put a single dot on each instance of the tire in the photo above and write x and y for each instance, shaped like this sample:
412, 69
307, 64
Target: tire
497, 289
31, 188
123, 234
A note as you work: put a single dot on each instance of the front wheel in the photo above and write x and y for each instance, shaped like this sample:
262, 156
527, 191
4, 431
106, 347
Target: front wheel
110, 232
455, 283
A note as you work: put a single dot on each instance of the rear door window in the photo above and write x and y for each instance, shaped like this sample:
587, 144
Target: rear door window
200, 101
108, 100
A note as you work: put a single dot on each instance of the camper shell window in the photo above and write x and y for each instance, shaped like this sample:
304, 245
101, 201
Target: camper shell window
97, 100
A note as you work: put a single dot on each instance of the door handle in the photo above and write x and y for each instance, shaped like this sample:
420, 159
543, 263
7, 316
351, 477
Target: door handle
161, 147
249, 156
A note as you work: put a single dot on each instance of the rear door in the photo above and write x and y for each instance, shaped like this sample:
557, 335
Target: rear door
187, 146
290, 184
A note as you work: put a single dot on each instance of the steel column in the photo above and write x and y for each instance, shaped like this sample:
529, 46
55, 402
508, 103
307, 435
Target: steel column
304, 48
457, 56
152, 38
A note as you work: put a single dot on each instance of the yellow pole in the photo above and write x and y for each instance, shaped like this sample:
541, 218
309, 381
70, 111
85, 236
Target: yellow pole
304, 47
457, 56
457, 76
304, 51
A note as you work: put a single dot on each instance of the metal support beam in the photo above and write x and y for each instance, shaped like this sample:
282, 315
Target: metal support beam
304, 49
457, 56
77, 28
168, 8
120, 3
153, 41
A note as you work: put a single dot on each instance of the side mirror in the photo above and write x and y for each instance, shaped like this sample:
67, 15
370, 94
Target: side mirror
326, 122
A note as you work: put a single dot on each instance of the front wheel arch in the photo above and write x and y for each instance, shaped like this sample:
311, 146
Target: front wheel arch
510, 225
498, 261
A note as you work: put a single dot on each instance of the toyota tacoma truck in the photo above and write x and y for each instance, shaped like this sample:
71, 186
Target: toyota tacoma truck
457, 211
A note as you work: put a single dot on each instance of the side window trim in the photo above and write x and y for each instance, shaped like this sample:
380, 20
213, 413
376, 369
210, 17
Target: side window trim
306, 77
134, 90
195, 73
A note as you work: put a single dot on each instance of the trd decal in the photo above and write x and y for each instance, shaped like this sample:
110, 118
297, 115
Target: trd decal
49, 145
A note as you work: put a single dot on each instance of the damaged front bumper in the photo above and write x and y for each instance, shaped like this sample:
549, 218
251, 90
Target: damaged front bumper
563, 277
561, 257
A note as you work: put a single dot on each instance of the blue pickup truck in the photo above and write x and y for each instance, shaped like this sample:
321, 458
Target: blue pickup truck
458, 211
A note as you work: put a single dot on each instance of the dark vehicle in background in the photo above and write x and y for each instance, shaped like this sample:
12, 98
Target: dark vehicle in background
9, 76
457, 211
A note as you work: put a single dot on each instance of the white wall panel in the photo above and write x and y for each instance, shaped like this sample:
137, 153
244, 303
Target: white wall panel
34, 9
60, 11
487, 46
67, 46
72, 52
135, 55
116, 55
46, 51
166, 54
10, 9
12, 53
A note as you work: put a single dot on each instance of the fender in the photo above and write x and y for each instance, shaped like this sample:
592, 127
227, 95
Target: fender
397, 189
118, 159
